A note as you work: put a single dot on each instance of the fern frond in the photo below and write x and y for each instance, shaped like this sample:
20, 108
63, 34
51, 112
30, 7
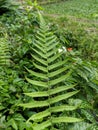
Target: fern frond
4, 52
49, 77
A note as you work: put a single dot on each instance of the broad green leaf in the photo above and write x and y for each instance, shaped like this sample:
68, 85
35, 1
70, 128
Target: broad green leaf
42, 21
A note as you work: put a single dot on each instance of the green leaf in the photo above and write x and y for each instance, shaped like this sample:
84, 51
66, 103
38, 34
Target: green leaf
63, 108
44, 69
40, 75
62, 97
48, 112
40, 45
41, 35
60, 79
56, 120
56, 56
37, 83
12, 123
43, 125
34, 104
57, 64
50, 40
40, 48
41, 39
40, 53
42, 61
65, 120
37, 94
49, 92
52, 46
60, 89
55, 73
40, 115
52, 52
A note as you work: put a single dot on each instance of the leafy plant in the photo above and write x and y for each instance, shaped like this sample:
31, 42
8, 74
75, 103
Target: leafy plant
50, 74
11, 87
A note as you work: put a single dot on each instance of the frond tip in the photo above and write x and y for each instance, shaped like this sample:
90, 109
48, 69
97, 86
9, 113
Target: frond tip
42, 21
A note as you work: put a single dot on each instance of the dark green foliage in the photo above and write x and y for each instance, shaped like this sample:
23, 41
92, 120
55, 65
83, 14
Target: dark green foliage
6, 6
3, 7
11, 88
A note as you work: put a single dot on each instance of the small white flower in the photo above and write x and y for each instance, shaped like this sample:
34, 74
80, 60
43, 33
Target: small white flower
63, 49
60, 50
